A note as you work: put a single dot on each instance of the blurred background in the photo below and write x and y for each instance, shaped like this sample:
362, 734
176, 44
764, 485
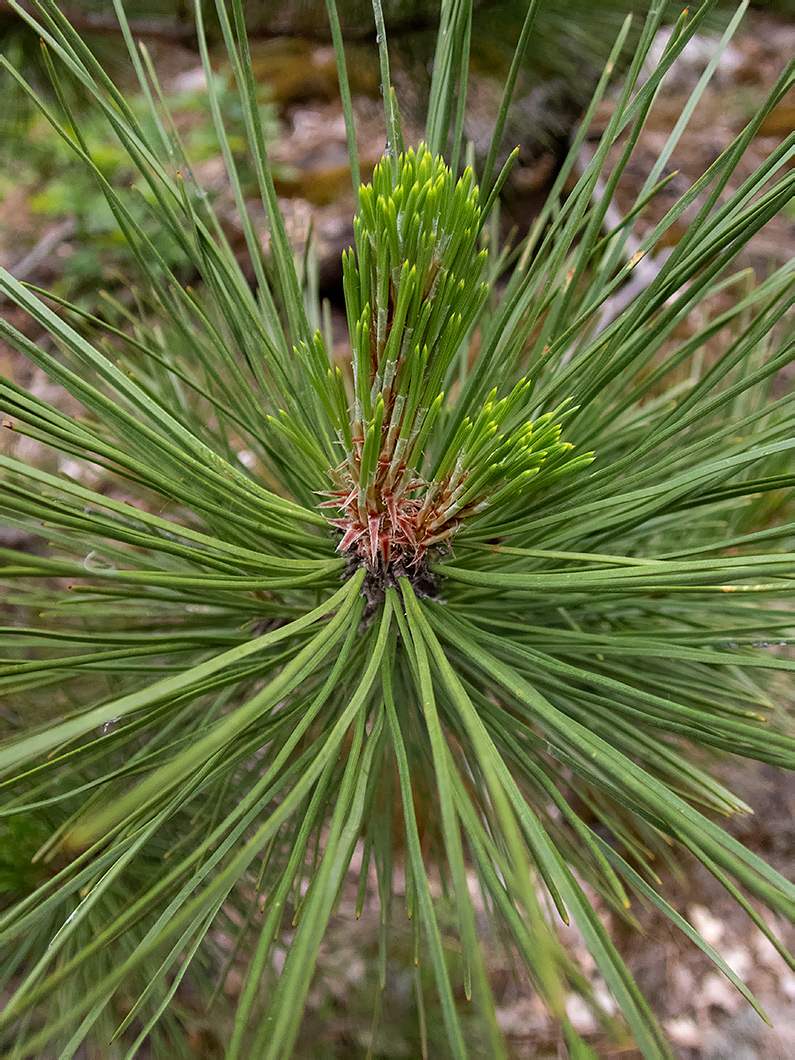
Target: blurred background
57, 232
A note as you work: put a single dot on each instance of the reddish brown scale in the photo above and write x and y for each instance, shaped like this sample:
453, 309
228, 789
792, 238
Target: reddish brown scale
398, 529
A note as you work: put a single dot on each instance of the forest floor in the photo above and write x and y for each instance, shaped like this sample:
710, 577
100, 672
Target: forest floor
704, 1016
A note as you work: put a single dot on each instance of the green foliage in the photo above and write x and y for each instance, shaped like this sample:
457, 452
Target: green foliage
61, 188
413, 292
218, 701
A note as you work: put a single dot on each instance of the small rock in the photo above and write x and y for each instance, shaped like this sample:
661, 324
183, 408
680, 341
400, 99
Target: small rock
684, 1032
693, 60
739, 960
717, 990
580, 1015
768, 955
708, 926
193, 80
520, 1019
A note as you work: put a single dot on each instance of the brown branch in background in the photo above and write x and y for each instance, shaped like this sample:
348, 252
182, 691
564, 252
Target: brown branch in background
171, 31
106, 25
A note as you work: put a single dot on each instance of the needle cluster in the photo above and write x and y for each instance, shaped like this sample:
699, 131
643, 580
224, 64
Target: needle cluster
413, 291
